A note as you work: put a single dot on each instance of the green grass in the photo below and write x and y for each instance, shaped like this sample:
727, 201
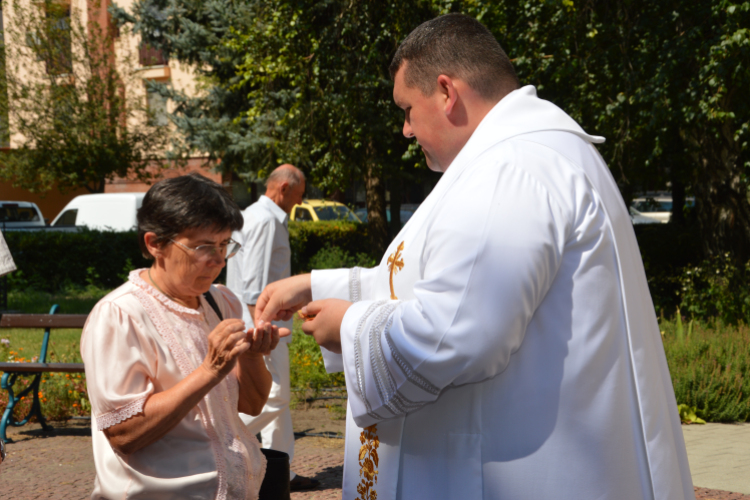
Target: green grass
71, 301
307, 371
709, 361
710, 368
62, 395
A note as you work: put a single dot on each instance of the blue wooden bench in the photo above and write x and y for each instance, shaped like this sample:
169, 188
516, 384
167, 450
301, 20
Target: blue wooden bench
14, 370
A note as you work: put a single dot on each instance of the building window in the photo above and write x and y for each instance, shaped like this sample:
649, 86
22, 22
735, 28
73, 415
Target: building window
157, 106
149, 56
56, 52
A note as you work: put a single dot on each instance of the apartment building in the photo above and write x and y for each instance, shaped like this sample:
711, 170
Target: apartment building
138, 64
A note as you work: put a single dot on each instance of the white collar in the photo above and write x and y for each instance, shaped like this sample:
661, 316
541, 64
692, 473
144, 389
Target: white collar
273, 208
520, 112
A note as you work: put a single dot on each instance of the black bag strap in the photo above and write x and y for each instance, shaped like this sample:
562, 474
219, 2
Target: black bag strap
212, 302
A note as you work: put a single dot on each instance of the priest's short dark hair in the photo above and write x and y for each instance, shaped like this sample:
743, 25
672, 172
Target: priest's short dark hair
458, 46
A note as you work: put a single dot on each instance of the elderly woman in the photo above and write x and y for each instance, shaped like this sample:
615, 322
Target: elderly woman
168, 366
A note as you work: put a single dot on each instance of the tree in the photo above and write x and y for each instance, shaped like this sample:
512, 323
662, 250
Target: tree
77, 118
318, 85
660, 80
194, 33
304, 82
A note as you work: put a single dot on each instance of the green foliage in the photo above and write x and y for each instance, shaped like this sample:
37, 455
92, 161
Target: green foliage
72, 300
194, 34
332, 257
70, 102
318, 83
52, 260
710, 369
307, 371
308, 239
667, 250
717, 288
688, 416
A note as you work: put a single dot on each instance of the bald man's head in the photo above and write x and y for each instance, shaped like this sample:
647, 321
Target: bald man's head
286, 186
286, 173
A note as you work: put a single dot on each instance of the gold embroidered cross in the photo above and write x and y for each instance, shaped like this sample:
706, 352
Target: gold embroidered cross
395, 264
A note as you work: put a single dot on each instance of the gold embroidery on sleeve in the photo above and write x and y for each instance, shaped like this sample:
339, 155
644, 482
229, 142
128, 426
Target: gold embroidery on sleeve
395, 264
368, 463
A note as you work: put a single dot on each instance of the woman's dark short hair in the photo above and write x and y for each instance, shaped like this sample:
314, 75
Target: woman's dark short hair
187, 202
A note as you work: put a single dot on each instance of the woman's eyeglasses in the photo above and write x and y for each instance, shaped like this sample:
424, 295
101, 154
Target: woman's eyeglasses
207, 252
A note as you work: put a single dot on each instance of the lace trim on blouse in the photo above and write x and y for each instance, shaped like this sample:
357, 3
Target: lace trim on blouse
121, 414
135, 278
235, 475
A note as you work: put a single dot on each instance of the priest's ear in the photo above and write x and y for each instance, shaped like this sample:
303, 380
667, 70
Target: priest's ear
450, 93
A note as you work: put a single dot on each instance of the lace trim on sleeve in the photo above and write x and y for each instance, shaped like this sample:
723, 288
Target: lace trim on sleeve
355, 285
120, 414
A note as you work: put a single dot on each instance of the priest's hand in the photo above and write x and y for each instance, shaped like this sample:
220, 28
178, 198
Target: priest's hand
323, 321
280, 299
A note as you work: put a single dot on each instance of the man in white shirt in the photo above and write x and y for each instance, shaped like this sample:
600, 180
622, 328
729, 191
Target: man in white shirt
506, 347
265, 257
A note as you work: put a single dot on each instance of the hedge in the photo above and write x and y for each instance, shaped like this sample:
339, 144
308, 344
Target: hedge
51, 261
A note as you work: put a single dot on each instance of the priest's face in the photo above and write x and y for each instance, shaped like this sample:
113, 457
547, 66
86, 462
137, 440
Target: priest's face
424, 119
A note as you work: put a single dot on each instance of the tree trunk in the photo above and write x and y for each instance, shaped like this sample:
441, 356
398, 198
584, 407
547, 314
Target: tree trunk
376, 220
678, 202
721, 193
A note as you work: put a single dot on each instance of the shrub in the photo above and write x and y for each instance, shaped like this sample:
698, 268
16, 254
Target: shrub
710, 368
53, 260
666, 250
307, 239
716, 288
331, 257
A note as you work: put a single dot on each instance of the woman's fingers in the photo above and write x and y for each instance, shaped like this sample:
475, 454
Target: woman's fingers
225, 343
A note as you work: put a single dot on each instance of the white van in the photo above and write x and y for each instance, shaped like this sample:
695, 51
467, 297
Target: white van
108, 211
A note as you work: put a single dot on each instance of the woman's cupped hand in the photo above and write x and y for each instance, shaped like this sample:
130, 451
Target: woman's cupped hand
230, 340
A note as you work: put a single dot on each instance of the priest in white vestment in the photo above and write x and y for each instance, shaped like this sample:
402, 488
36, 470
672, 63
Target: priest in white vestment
506, 347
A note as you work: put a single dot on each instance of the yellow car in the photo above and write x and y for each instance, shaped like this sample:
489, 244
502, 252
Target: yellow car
316, 210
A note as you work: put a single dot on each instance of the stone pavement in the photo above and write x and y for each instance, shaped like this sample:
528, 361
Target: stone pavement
59, 465
719, 455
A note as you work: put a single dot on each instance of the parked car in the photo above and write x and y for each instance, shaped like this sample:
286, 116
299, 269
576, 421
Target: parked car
317, 210
406, 212
657, 207
638, 218
20, 214
109, 211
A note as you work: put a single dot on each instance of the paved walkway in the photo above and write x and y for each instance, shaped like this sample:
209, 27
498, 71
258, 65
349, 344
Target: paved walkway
719, 455
59, 465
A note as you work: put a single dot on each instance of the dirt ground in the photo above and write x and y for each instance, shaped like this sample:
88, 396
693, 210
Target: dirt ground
59, 464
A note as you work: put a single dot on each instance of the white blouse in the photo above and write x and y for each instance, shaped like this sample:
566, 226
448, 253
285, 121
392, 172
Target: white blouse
137, 342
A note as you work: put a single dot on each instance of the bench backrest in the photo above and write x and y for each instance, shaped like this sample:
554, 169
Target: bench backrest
46, 321
43, 320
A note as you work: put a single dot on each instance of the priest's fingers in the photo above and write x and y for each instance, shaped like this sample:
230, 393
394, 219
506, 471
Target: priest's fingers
282, 297
284, 332
323, 321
